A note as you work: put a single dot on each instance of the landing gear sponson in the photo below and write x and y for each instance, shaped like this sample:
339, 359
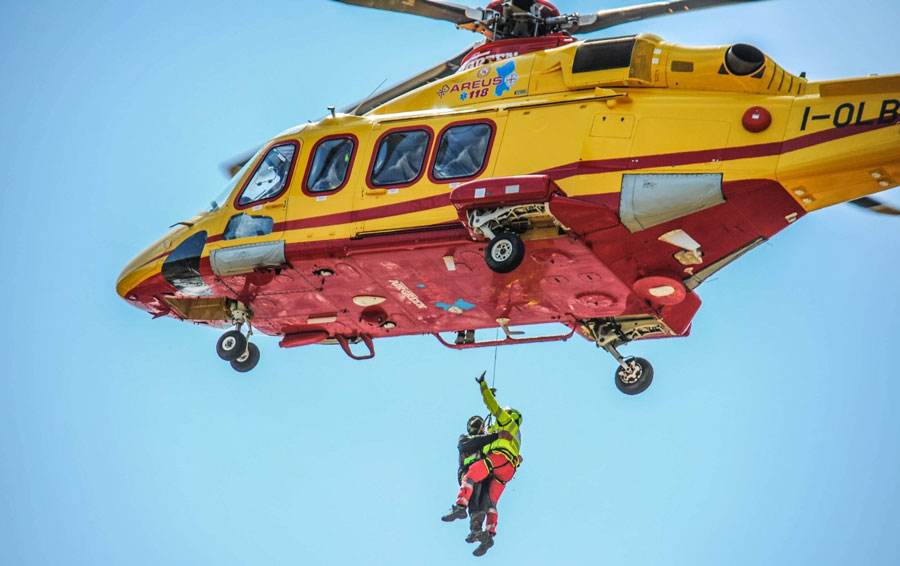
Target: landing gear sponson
233, 346
501, 209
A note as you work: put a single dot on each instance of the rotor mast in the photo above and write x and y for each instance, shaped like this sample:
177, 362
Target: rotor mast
519, 19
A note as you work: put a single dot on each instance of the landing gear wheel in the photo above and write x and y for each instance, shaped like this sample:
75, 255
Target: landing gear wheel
637, 379
247, 360
231, 345
504, 253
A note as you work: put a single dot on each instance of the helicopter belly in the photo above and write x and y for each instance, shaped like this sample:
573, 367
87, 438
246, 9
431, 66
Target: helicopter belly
434, 282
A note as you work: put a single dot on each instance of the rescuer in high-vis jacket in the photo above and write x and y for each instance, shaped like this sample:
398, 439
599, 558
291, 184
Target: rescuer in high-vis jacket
498, 466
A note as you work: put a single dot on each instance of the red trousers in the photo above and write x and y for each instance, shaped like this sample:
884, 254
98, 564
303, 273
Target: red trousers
500, 469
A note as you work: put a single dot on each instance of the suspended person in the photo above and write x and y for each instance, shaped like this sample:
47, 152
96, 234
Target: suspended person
470, 448
498, 466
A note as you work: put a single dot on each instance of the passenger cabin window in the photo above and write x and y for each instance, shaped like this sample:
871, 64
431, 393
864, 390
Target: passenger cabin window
271, 175
461, 151
400, 157
330, 165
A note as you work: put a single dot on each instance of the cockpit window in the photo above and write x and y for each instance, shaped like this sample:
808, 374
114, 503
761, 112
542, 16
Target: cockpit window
271, 175
461, 151
400, 157
330, 165
220, 200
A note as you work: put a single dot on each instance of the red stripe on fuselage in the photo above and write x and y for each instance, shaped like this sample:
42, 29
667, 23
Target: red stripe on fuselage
708, 155
586, 168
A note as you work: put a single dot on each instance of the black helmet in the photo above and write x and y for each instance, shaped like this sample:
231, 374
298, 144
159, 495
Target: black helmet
474, 425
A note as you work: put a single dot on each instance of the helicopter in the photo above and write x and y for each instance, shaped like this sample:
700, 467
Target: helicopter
534, 178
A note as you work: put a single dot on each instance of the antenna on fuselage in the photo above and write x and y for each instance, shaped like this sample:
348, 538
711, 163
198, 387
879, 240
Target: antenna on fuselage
366, 99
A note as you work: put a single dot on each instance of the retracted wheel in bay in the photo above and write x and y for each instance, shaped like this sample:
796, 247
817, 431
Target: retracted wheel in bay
637, 378
231, 345
505, 252
247, 360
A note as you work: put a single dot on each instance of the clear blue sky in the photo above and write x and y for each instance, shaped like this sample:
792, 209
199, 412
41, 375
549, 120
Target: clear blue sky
770, 436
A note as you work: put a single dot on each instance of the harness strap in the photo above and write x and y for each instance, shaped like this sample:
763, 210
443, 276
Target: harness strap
511, 459
491, 467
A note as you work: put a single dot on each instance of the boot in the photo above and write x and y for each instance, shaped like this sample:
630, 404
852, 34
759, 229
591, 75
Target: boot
475, 521
456, 512
487, 540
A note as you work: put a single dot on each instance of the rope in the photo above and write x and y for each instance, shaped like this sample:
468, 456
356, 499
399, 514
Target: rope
496, 346
488, 420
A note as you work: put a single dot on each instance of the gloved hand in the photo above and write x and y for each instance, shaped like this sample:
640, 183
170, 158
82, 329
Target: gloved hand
480, 379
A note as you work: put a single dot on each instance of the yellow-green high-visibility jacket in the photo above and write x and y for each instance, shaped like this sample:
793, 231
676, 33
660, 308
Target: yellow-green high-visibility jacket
502, 421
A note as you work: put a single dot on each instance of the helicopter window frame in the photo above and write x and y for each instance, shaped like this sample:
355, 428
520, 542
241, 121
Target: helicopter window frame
287, 181
487, 152
426, 157
243, 225
312, 157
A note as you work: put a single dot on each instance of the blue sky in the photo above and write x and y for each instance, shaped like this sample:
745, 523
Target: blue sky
769, 435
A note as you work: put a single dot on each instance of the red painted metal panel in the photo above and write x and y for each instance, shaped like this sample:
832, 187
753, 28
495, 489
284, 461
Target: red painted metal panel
303, 338
582, 217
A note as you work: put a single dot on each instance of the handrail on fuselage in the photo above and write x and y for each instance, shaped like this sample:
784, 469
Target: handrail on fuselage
506, 341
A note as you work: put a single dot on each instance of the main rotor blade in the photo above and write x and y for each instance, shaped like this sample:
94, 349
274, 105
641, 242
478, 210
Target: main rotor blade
439, 71
875, 206
607, 18
435, 9
233, 165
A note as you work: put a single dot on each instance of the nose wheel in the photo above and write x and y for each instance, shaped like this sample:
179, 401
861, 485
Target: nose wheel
231, 345
247, 360
235, 348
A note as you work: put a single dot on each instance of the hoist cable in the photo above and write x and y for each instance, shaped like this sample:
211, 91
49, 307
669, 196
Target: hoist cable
496, 346
490, 418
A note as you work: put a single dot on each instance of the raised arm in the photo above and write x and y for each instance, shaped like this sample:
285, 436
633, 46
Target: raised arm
491, 403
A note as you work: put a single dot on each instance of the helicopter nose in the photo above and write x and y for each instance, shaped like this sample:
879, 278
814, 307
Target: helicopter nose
145, 265
130, 276
161, 267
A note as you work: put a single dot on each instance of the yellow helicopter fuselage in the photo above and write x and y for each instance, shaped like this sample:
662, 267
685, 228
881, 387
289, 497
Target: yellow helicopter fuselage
659, 139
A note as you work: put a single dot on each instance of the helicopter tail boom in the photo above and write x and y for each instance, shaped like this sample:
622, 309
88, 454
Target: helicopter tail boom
842, 142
